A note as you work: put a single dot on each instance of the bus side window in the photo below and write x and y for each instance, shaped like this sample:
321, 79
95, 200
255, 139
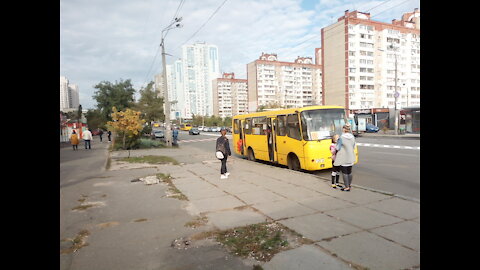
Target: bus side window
236, 126
293, 127
281, 126
258, 124
248, 126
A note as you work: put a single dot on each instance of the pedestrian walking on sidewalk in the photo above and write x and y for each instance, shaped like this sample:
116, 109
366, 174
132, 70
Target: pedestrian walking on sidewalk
335, 169
87, 137
223, 146
100, 133
345, 156
109, 136
74, 140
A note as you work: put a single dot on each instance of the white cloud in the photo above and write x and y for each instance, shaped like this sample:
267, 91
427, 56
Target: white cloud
109, 40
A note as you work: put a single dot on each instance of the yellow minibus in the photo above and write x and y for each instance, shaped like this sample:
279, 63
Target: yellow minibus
299, 138
185, 127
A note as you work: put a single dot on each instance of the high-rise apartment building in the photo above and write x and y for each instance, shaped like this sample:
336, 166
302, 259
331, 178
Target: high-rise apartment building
158, 87
69, 95
230, 96
361, 59
286, 84
64, 99
200, 65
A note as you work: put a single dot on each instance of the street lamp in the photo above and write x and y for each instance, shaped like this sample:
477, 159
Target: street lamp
168, 135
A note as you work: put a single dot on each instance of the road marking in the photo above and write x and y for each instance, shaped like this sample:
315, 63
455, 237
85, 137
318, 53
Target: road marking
198, 140
359, 144
389, 146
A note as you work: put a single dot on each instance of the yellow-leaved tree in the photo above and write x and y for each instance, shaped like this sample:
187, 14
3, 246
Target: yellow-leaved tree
128, 124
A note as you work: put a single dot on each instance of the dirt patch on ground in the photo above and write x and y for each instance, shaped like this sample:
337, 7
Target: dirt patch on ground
76, 243
86, 205
197, 222
257, 241
107, 224
173, 191
140, 220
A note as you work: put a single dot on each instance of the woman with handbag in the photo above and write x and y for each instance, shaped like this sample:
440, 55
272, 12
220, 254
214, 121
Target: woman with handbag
74, 140
345, 156
222, 152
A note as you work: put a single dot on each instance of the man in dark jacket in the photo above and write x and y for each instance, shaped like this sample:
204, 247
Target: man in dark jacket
100, 133
223, 146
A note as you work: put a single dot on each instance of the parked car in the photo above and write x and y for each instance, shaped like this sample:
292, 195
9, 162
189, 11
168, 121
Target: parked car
194, 131
371, 128
200, 128
158, 134
216, 129
207, 129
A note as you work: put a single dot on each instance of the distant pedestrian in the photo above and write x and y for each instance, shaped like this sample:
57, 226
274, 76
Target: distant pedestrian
87, 137
74, 140
345, 156
100, 133
335, 169
175, 135
109, 133
223, 146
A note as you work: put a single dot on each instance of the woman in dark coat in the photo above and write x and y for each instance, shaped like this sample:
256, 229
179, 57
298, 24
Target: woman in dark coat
223, 146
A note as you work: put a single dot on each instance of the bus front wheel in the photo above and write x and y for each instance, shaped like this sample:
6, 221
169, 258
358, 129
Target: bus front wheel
251, 156
293, 163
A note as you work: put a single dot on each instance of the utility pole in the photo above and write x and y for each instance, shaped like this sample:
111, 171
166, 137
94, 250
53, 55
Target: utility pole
396, 94
168, 132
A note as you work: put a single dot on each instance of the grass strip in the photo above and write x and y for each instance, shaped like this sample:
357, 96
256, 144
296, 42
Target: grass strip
151, 160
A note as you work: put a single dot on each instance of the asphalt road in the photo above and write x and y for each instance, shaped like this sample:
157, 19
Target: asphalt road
385, 163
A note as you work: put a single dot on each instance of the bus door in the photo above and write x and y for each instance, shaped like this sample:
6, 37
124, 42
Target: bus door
271, 139
241, 127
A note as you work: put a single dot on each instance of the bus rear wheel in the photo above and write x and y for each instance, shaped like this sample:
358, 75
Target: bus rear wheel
251, 155
293, 163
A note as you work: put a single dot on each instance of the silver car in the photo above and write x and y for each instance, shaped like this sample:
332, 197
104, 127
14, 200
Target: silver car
159, 134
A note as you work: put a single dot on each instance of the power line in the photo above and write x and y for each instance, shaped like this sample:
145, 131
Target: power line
211, 16
378, 5
389, 8
180, 5
150, 69
156, 53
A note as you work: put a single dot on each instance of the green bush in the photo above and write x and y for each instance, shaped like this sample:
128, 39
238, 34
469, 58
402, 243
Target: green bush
148, 143
140, 143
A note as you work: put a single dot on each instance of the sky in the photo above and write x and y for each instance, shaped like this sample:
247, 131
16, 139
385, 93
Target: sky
113, 40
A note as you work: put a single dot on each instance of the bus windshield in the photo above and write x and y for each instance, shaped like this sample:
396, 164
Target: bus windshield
322, 124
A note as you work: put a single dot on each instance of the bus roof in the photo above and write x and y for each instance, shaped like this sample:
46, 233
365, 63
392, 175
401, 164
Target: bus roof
286, 111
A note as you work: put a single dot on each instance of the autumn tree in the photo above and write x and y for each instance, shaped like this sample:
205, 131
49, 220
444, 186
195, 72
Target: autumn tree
128, 125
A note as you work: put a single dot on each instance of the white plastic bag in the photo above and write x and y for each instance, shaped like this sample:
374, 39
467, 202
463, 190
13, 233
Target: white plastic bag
219, 155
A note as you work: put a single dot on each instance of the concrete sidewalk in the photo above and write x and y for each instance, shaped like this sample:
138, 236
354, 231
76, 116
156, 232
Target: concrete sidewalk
361, 229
